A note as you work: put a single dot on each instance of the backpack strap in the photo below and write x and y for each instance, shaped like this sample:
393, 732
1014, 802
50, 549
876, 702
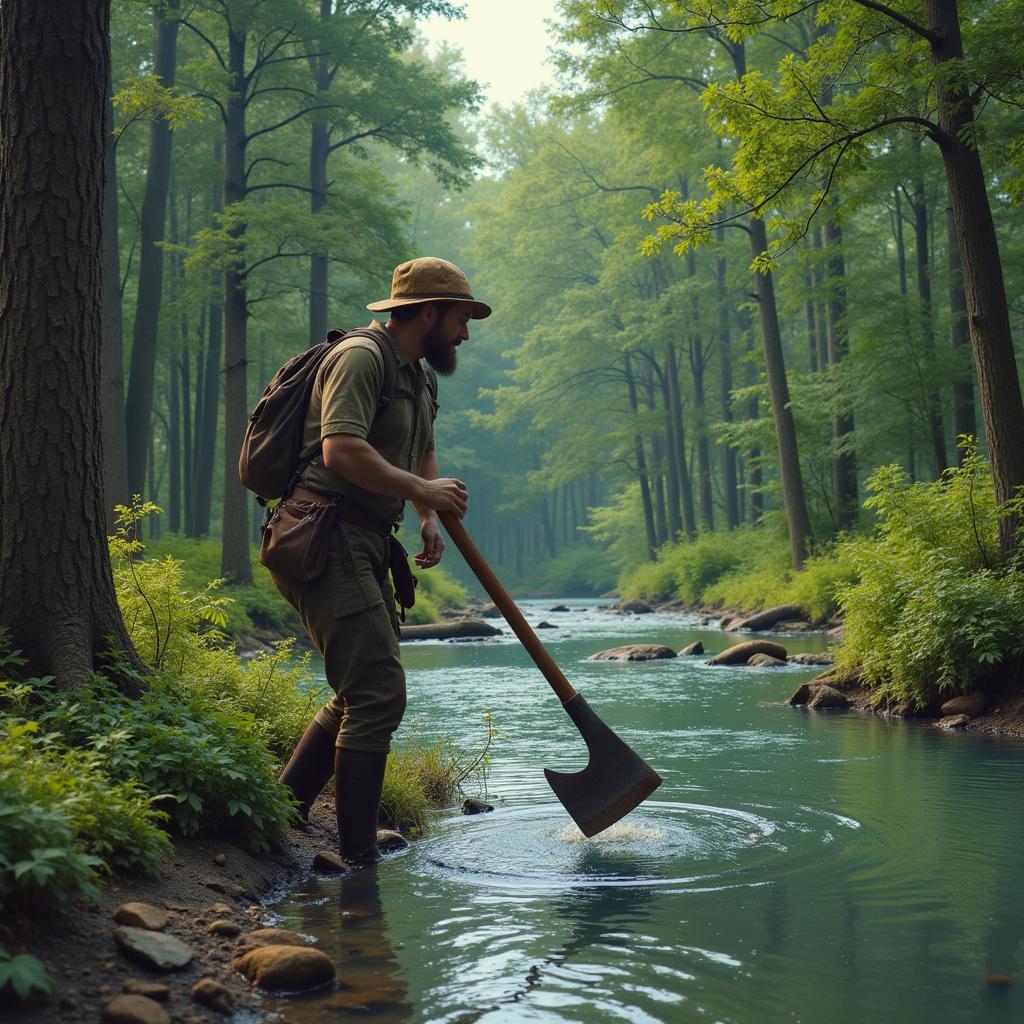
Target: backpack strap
387, 354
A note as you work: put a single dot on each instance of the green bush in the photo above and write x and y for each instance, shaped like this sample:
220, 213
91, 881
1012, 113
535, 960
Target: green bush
935, 609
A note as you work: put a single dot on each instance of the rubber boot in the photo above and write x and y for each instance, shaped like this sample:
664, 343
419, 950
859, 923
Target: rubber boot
310, 766
358, 780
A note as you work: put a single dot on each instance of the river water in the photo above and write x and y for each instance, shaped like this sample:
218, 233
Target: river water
794, 866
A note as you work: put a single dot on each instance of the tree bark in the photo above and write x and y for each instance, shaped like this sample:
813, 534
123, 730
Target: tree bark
679, 430
57, 598
319, 153
234, 562
732, 500
793, 497
988, 316
115, 465
142, 371
641, 464
674, 461
964, 421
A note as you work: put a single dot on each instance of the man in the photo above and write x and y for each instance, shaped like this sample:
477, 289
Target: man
374, 461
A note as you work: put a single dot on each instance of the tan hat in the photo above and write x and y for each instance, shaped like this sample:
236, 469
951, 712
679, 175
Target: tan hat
425, 279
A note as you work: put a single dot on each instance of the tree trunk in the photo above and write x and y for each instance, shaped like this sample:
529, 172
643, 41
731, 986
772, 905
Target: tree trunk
844, 465
697, 366
674, 462
139, 402
641, 465
819, 320
1001, 407
57, 597
679, 432
932, 402
964, 422
174, 450
319, 150
793, 497
234, 562
732, 500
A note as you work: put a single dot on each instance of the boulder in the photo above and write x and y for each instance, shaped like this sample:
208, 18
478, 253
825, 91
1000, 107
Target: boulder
635, 652
636, 608
272, 937
972, 704
134, 1009
802, 695
389, 841
544, 625
811, 659
213, 995
765, 661
473, 806
791, 626
766, 619
691, 649
740, 654
141, 915
286, 968
150, 989
155, 949
558, 608
490, 611
839, 678
329, 863
455, 629
226, 928
954, 722
826, 698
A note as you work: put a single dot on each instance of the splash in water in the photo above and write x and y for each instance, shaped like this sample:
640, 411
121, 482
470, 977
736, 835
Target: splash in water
623, 832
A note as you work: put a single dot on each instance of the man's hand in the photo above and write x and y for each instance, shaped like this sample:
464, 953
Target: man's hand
433, 545
445, 494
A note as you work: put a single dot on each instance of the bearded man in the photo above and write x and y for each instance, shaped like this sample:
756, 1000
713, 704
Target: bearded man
373, 459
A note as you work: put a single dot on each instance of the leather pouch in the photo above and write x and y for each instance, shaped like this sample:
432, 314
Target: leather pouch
401, 576
297, 537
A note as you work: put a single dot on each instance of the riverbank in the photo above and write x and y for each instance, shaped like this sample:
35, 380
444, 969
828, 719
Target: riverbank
203, 880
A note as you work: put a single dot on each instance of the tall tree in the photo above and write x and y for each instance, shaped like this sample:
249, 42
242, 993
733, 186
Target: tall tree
57, 597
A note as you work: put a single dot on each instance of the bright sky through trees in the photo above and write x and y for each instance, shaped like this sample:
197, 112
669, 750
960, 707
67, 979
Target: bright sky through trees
504, 45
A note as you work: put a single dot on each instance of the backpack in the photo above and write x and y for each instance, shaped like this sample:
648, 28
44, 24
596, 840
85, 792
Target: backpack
270, 462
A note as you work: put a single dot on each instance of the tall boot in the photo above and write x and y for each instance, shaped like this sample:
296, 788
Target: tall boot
311, 765
358, 780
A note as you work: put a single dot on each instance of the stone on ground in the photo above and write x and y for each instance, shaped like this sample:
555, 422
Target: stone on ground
635, 652
766, 619
141, 915
151, 989
220, 910
972, 704
388, 841
954, 722
329, 862
272, 937
220, 860
226, 928
286, 968
690, 649
473, 806
213, 995
132, 1009
827, 698
157, 950
740, 654
765, 661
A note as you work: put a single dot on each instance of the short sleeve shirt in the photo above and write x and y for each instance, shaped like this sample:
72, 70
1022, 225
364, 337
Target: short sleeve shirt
345, 399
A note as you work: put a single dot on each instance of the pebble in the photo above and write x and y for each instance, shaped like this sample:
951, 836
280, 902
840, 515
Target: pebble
219, 910
388, 841
151, 989
228, 928
68, 1003
164, 952
134, 1010
329, 862
211, 993
292, 968
220, 860
141, 915
473, 806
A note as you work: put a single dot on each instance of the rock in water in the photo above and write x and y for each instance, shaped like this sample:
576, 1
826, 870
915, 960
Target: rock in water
329, 862
740, 654
545, 625
691, 649
490, 611
163, 952
954, 722
132, 1009
811, 659
455, 630
558, 608
389, 841
765, 661
802, 695
213, 995
272, 937
140, 915
473, 806
825, 698
636, 607
972, 704
635, 652
764, 620
286, 968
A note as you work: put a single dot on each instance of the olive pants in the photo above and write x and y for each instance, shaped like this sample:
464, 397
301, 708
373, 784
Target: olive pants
350, 617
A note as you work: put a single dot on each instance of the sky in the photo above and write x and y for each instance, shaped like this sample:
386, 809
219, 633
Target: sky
504, 45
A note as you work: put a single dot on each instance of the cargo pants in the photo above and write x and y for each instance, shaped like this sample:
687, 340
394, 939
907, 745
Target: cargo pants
349, 613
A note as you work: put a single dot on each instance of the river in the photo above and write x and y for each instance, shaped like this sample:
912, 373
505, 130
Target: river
795, 866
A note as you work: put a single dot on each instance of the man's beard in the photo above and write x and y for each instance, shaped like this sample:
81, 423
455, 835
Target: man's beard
439, 351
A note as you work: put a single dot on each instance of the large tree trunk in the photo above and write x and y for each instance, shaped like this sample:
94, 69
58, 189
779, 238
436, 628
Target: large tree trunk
115, 465
964, 422
674, 461
641, 464
679, 432
234, 561
56, 594
1001, 407
139, 402
844, 465
732, 500
697, 366
797, 520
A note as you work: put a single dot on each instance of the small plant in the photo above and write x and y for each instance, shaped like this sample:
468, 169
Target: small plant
25, 974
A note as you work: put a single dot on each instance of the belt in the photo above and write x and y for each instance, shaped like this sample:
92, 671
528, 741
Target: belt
348, 512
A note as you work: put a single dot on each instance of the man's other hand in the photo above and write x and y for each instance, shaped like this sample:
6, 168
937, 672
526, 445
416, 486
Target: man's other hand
433, 545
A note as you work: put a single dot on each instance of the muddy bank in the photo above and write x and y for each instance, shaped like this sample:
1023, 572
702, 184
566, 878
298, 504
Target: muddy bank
204, 880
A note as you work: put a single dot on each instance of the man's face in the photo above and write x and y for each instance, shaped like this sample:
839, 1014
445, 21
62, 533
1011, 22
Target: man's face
449, 330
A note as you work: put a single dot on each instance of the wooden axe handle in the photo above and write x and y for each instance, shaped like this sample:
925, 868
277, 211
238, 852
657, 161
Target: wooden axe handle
513, 616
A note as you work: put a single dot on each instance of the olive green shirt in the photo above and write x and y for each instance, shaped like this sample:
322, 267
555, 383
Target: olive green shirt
345, 398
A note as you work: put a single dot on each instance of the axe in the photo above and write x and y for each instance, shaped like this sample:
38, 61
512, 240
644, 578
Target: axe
617, 778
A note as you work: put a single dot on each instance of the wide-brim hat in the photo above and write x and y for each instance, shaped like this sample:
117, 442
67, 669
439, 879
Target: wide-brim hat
425, 280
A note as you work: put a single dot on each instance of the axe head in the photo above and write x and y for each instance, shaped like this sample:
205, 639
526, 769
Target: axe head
615, 781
